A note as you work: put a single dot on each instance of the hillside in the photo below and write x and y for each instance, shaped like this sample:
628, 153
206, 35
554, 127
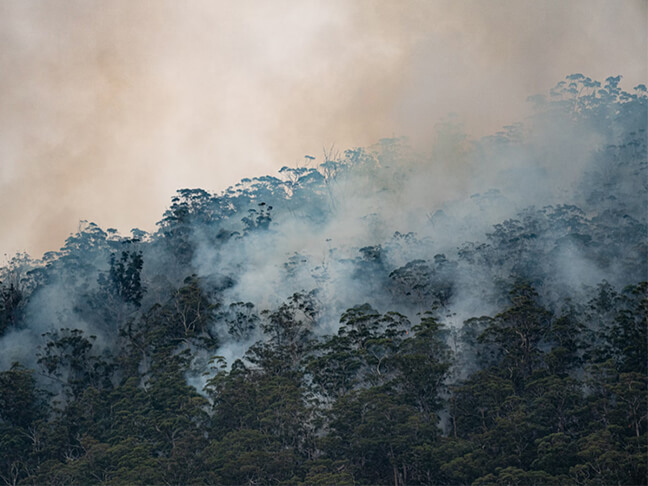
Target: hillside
476, 314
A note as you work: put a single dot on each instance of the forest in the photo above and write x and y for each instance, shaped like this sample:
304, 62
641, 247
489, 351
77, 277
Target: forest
476, 314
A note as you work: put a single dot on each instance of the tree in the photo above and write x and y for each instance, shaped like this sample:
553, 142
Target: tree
362, 352
123, 279
21, 406
423, 361
68, 359
289, 332
517, 334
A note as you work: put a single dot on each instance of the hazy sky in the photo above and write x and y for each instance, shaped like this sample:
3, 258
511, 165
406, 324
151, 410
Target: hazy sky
108, 107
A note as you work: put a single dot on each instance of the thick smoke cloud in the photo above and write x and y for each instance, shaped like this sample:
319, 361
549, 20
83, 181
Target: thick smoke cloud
559, 201
107, 108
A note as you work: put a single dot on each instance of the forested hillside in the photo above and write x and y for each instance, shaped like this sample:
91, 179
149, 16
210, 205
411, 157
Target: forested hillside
473, 315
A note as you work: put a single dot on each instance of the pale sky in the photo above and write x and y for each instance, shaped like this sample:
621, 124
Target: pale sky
108, 107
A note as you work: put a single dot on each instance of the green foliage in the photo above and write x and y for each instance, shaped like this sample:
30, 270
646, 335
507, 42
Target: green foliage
516, 335
10, 298
549, 388
377, 403
123, 279
68, 358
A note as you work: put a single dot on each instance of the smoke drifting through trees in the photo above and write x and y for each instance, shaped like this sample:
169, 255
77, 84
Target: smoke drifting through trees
369, 281
354, 227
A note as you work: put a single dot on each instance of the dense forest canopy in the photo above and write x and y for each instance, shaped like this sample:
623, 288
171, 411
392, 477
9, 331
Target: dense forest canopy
473, 315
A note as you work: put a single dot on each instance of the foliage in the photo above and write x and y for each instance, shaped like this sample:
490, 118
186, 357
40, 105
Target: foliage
518, 358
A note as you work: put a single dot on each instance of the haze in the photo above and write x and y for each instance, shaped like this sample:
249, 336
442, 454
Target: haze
106, 108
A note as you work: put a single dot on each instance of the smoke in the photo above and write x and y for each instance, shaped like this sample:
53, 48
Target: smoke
445, 230
106, 109
403, 206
